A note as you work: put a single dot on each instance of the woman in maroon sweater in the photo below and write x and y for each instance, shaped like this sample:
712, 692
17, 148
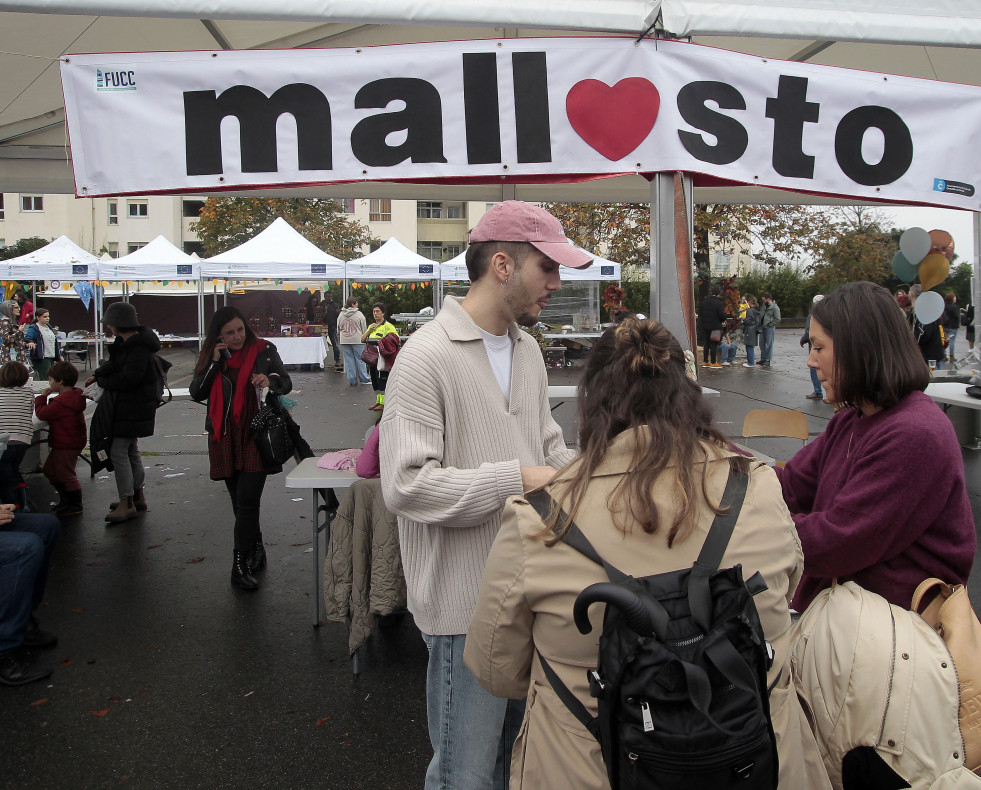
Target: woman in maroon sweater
878, 498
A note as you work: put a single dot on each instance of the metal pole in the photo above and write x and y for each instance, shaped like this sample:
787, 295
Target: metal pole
667, 304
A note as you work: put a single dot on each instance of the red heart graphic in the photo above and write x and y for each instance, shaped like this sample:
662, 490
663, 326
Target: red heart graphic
613, 121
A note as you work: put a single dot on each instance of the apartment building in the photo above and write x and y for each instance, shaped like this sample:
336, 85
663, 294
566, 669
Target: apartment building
119, 226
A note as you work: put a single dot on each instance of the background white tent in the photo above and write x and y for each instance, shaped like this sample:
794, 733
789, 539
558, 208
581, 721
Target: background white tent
278, 252
61, 260
394, 262
158, 260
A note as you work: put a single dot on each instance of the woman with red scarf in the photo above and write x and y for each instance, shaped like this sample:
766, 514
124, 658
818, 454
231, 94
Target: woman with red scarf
233, 369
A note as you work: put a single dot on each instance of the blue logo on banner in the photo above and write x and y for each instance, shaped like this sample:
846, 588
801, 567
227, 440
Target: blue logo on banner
318, 268
606, 271
425, 268
80, 268
184, 269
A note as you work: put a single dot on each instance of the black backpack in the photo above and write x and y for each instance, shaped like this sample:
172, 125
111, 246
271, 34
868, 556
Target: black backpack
161, 367
681, 678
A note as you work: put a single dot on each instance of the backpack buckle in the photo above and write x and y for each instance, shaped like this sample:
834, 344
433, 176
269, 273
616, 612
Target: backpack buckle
596, 686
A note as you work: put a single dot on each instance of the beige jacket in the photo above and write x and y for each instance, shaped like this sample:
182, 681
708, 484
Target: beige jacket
874, 674
526, 603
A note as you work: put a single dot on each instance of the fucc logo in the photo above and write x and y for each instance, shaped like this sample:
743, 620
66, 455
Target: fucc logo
425, 268
80, 269
318, 268
184, 269
106, 80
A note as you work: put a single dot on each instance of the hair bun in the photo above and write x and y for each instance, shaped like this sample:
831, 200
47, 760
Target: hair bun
644, 346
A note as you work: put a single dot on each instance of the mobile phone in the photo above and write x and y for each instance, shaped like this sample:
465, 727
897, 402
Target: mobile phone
226, 354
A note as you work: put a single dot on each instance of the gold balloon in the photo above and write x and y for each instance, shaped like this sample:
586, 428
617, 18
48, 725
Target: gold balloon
934, 269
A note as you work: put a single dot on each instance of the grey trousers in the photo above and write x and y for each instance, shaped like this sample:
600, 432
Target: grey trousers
127, 465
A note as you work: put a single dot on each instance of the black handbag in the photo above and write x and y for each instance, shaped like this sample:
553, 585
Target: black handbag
271, 434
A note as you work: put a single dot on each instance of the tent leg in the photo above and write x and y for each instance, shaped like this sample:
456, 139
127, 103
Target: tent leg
672, 298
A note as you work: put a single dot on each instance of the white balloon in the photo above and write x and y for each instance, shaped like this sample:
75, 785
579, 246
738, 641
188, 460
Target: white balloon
914, 244
929, 307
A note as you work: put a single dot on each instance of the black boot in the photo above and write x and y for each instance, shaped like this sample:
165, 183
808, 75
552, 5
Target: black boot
241, 576
71, 504
257, 557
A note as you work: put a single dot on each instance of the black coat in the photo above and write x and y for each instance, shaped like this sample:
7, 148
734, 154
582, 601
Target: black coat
712, 314
130, 374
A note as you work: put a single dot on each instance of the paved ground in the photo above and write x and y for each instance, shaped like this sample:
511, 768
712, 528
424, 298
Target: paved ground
167, 678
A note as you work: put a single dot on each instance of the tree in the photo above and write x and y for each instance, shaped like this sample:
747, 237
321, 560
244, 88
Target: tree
22, 247
860, 250
228, 222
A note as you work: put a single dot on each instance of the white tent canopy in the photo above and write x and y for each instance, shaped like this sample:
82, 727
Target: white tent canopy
392, 262
602, 270
60, 260
278, 252
158, 260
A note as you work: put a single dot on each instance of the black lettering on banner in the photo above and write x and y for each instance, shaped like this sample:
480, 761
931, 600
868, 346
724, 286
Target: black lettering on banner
897, 154
482, 110
422, 119
790, 110
731, 136
532, 129
257, 116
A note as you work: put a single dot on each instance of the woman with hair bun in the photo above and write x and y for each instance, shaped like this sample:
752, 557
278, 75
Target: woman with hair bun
644, 492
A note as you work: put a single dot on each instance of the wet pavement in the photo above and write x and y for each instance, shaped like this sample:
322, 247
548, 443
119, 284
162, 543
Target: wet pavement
167, 677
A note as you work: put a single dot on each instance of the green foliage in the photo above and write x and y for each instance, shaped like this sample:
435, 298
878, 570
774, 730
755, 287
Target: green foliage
958, 281
857, 254
22, 247
791, 289
396, 300
228, 222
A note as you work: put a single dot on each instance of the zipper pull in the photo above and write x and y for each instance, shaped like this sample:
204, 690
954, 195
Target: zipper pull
645, 711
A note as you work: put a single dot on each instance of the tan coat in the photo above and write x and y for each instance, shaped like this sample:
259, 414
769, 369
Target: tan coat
526, 603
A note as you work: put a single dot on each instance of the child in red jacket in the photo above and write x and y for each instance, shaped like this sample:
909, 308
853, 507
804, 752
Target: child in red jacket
65, 415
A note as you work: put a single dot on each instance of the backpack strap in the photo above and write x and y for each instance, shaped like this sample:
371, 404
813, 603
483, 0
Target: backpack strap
162, 366
576, 708
716, 542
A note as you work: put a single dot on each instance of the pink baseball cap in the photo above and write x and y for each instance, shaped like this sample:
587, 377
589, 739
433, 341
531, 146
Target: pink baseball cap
515, 220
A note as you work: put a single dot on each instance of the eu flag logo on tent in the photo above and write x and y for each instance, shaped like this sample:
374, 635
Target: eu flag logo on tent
318, 268
425, 268
80, 269
184, 268
606, 271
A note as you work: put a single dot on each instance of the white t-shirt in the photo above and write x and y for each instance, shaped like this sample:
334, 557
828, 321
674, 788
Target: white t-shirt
500, 350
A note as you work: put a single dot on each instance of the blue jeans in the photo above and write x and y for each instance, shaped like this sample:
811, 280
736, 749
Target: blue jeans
727, 352
26, 545
472, 732
816, 382
750, 354
332, 334
353, 364
766, 344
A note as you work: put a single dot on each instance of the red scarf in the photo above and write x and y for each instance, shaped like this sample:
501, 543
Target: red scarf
243, 361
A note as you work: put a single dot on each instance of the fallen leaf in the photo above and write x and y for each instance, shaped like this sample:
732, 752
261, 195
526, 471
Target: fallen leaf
197, 559
103, 712
66, 662
320, 722
305, 543
115, 699
43, 700
155, 546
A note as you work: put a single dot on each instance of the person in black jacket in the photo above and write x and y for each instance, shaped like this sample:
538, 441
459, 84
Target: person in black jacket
713, 317
951, 321
928, 336
233, 368
129, 381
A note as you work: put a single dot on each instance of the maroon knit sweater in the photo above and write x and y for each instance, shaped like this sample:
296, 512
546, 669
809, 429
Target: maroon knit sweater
881, 501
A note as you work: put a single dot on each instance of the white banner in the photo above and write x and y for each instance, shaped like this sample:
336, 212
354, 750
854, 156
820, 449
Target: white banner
514, 110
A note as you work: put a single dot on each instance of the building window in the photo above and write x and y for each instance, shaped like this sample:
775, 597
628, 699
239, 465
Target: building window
428, 209
112, 248
192, 208
1, 205
32, 203
3, 243
194, 246
455, 211
136, 210
133, 246
112, 212
430, 249
380, 211
451, 251
346, 205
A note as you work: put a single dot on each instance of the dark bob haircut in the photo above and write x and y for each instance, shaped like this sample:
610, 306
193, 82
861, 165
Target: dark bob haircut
877, 361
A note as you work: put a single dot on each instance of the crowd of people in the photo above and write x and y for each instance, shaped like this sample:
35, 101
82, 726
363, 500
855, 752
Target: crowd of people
466, 434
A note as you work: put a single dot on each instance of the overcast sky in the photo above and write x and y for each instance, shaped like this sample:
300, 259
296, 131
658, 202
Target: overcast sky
959, 224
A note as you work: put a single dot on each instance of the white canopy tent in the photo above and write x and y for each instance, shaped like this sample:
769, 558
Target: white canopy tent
936, 40
394, 262
62, 260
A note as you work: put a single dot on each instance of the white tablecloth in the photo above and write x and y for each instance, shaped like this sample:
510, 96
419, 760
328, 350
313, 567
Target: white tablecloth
301, 350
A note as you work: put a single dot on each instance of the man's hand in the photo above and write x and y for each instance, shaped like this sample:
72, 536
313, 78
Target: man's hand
47, 391
533, 477
6, 514
89, 381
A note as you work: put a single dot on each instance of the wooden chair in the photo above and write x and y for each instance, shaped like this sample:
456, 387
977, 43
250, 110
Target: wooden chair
776, 423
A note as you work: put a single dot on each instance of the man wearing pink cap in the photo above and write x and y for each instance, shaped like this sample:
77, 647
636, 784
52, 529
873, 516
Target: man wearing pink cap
467, 425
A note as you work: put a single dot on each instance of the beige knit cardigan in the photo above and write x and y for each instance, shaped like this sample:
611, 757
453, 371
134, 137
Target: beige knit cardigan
451, 453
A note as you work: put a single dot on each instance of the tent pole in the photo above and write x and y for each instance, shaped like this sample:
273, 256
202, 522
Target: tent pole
976, 290
670, 231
